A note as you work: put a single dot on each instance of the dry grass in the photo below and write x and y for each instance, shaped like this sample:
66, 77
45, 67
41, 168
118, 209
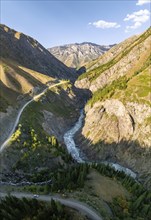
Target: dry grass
40, 77
98, 191
104, 187
17, 80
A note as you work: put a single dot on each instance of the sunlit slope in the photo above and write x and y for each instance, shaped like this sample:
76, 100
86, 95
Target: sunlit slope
76, 55
16, 80
123, 59
129, 97
117, 125
132, 87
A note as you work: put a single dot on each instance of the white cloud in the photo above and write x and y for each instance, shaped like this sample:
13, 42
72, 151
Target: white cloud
142, 2
104, 24
137, 18
132, 27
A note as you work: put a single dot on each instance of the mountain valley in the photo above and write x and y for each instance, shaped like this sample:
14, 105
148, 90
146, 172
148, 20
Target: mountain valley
114, 94
117, 122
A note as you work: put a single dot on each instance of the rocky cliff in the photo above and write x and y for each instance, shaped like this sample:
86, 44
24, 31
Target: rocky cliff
76, 55
117, 125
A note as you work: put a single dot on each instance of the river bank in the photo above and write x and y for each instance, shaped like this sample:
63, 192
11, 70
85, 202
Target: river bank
79, 156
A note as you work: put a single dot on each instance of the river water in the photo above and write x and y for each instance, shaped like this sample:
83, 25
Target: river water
69, 141
78, 156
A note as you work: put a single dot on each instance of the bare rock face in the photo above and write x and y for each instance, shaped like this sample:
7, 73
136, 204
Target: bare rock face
98, 125
83, 83
76, 55
142, 129
111, 120
108, 121
117, 132
125, 126
56, 126
60, 119
138, 111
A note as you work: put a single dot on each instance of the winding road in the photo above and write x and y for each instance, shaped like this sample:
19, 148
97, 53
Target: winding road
68, 202
73, 150
83, 208
6, 142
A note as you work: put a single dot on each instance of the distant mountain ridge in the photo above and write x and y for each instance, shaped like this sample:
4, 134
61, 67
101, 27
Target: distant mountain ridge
77, 54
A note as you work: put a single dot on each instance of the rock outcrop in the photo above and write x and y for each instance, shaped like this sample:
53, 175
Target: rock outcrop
117, 124
118, 133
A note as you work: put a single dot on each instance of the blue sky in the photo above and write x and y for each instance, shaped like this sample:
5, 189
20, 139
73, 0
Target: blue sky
55, 23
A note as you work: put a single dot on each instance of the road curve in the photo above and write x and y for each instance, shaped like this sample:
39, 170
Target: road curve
20, 112
67, 202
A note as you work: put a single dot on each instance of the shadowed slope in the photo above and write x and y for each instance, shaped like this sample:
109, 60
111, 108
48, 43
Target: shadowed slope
31, 54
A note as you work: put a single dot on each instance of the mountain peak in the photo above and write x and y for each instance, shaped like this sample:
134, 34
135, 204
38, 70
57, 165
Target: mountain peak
77, 54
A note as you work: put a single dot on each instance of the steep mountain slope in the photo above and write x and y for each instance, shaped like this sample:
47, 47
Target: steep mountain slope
110, 54
117, 123
42, 121
116, 117
26, 68
49, 116
76, 55
127, 58
17, 82
29, 53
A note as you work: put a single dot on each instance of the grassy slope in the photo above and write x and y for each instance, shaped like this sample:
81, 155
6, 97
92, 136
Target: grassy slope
135, 88
94, 73
16, 80
138, 89
113, 52
101, 186
29, 151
